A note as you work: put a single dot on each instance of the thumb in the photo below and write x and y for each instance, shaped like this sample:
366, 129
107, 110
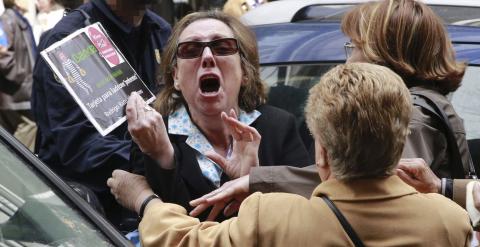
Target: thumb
218, 159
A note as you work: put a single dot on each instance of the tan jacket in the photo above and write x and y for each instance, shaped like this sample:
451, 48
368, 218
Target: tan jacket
383, 212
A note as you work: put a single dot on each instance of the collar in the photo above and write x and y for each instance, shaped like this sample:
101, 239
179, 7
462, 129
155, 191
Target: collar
364, 189
180, 123
23, 23
103, 7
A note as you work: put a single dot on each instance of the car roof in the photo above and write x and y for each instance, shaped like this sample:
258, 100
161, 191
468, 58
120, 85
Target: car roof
314, 42
284, 11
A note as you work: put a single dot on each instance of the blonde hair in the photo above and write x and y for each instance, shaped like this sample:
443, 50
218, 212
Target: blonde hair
359, 112
409, 38
252, 92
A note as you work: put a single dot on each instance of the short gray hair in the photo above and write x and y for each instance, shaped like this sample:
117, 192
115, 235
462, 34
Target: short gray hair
359, 112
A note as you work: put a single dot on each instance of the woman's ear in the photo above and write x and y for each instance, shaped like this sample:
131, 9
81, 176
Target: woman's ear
244, 79
176, 84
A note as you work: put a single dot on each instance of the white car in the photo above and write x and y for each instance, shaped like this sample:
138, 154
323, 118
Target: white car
460, 12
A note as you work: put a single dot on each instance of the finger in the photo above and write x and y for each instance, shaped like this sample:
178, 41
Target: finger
139, 105
230, 126
110, 182
131, 110
245, 132
217, 208
224, 195
217, 159
117, 173
199, 209
231, 208
406, 178
233, 114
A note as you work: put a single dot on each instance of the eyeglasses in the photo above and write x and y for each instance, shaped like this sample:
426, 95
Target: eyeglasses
348, 46
219, 47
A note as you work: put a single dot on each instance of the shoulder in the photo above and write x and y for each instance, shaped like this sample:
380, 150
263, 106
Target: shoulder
67, 25
443, 209
272, 113
159, 21
282, 202
421, 115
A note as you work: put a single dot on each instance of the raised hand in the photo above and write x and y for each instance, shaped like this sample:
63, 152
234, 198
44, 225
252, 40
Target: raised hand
148, 130
416, 173
227, 198
246, 141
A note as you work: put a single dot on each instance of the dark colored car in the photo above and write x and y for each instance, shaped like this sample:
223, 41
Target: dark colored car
37, 208
294, 56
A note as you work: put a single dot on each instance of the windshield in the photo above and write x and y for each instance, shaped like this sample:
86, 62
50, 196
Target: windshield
32, 212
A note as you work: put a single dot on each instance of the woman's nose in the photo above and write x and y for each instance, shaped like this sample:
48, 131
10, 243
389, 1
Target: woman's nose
207, 58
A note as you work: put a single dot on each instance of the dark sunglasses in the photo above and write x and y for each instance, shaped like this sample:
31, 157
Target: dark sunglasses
219, 47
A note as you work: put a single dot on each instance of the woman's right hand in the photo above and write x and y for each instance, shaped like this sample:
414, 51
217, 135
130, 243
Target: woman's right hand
148, 130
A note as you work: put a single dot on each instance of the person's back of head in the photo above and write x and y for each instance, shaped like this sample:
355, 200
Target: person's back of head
409, 38
359, 113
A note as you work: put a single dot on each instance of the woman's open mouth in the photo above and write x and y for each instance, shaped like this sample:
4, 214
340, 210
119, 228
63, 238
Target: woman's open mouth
209, 84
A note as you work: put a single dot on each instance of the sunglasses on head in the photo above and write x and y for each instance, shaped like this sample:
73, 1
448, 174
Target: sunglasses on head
219, 47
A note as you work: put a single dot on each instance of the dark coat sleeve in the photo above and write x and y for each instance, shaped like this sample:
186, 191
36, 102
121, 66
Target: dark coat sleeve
288, 179
281, 142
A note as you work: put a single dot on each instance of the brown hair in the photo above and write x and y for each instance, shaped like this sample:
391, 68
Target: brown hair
359, 112
252, 92
409, 38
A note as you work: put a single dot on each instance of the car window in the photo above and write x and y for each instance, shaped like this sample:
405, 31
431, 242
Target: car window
457, 15
466, 102
288, 87
32, 212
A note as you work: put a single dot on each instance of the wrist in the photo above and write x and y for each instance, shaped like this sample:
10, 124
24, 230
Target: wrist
141, 199
145, 203
164, 156
437, 186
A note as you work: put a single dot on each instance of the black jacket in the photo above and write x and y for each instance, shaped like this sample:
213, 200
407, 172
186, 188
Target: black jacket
280, 145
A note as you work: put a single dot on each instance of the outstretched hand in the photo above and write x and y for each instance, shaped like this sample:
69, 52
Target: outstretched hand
246, 141
130, 190
148, 130
416, 173
227, 198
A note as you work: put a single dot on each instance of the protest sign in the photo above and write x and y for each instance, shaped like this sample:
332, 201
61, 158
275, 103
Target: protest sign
97, 75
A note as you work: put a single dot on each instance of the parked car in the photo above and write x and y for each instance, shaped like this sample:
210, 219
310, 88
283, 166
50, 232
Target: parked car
293, 57
37, 208
461, 12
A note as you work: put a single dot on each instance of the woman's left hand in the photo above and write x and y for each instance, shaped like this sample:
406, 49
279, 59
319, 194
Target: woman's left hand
246, 141
130, 190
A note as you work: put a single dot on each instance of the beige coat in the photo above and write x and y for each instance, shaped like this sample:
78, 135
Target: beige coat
384, 212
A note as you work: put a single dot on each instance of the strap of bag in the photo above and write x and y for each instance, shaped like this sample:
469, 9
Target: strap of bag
456, 159
346, 226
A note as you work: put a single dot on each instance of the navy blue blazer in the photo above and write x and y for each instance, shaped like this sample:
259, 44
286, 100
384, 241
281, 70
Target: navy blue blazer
66, 141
